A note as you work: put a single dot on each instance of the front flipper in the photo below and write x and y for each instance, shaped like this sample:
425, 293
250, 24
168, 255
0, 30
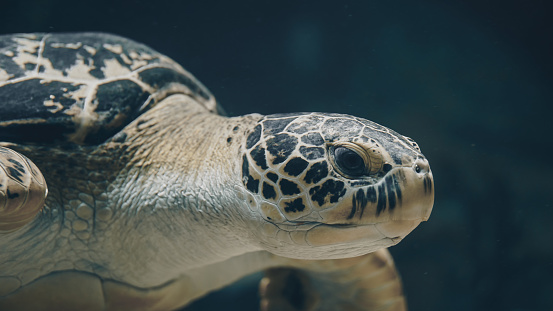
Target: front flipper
22, 190
369, 282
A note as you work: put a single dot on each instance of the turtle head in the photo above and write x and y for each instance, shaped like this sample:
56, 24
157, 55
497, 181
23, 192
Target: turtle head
331, 185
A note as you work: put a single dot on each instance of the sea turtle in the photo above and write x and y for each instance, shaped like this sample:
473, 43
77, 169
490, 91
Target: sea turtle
155, 198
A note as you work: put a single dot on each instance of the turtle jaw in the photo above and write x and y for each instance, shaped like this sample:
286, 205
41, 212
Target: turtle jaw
328, 241
392, 232
350, 228
318, 234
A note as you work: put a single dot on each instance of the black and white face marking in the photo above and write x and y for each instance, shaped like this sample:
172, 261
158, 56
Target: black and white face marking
334, 169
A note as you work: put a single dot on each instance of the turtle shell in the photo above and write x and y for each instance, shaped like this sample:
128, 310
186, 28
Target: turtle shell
83, 88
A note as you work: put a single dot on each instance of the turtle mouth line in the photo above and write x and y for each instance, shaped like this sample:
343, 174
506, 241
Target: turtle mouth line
319, 234
308, 225
389, 229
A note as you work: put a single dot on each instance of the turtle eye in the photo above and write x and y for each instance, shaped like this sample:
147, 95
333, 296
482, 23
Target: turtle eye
349, 161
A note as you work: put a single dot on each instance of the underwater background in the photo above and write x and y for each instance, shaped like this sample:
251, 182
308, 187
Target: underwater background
471, 81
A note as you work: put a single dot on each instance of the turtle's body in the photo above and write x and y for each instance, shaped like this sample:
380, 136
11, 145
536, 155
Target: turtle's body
154, 199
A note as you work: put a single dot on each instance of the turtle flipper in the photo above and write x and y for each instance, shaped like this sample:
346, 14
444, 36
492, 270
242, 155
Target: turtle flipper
368, 282
22, 190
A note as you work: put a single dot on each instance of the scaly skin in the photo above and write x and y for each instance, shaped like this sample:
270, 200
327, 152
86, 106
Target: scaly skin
138, 199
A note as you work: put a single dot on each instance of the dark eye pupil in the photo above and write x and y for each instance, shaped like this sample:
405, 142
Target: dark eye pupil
349, 161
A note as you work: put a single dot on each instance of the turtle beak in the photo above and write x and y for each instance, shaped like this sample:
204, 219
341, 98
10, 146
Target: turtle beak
391, 208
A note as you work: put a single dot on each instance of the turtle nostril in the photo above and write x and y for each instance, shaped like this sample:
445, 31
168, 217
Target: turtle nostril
421, 166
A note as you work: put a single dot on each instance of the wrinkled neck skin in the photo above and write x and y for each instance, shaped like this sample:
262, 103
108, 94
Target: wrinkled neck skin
184, 205
162, 200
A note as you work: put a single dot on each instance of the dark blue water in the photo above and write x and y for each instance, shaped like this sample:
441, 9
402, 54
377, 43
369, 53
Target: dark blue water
470, 81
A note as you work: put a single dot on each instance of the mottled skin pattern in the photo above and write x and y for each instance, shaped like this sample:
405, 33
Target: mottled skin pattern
292, 169
155, 200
